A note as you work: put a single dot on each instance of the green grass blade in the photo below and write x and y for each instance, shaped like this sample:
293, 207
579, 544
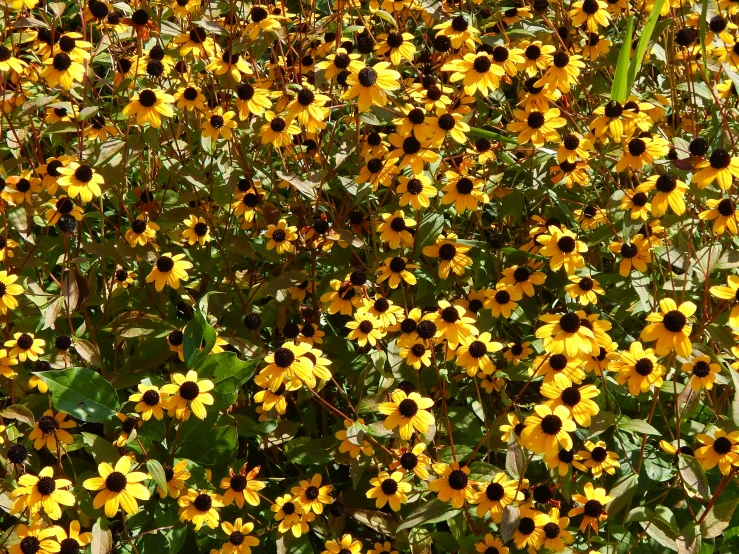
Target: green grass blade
477, 132
641, 46
619, 90
704, 32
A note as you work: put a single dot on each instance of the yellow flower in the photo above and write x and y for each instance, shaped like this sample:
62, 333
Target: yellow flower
35, 539
639, 368
473, 354
79, 179
197, 231
536, 126
239, 541
721, 167
277, 131
280, 236
453, 255
42, 491
394, 229
597, 459
477, 72
8, 290
149, 401
187, 394
346, 545
453, 484
311, 496
169, 270
217, 123
563, 249
721, 449
370, 85
389, 489
592, 507
150, 106
670, 328
118, 486
25, 346
408, 412
702, 372
176, 477
494, 496
200, 507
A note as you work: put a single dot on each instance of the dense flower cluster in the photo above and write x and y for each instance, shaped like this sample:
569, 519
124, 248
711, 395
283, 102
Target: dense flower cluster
369, 277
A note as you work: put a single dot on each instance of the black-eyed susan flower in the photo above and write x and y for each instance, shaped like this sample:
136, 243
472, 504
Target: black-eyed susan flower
62, 70
491, 544
169, 269
459, 32
8, 291
148, 401
529, 533
35, 538
561, 462
516, 352
550, 366
394, 270
563, 72
638, 204
239, 539
312, 495
6, 365
596, 458
721, 449
187, 394
396, 46
412, 152
566, 333
547, 430
728, 292
563, 249
200, 507
345, 545
638, 369
412, 460
150, 106
477, 72
447, 123
218, 123
591, 13
721, 167
197, 231
585, 289
118, 486
175, 477
502, 300
72, 541
702, 372
464, 191
242, 486
452, 254
408, 412
578, 399
670, 327
252, 100
79, 179
42, 492
394, 229
338, 62
670, 192
642, 150
25, 346
365, 328
635, 255
536, 126
289, 514
389, 488
592, 506
722, 211
453, 484
494, 496
415, 352
473, 353
278, 131
371, 84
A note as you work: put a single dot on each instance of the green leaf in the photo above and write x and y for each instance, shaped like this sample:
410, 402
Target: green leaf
198, 340
735, 402
137, 324
216, 447
694, 475
157, 473
491, 135
619, 90
718, 519
19, 413
432, 511
379, 521
102, 450
641, 46
622, 492
228, 374
102, 538
429, 230
355, 433
307, 451
82, 393
636, 426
